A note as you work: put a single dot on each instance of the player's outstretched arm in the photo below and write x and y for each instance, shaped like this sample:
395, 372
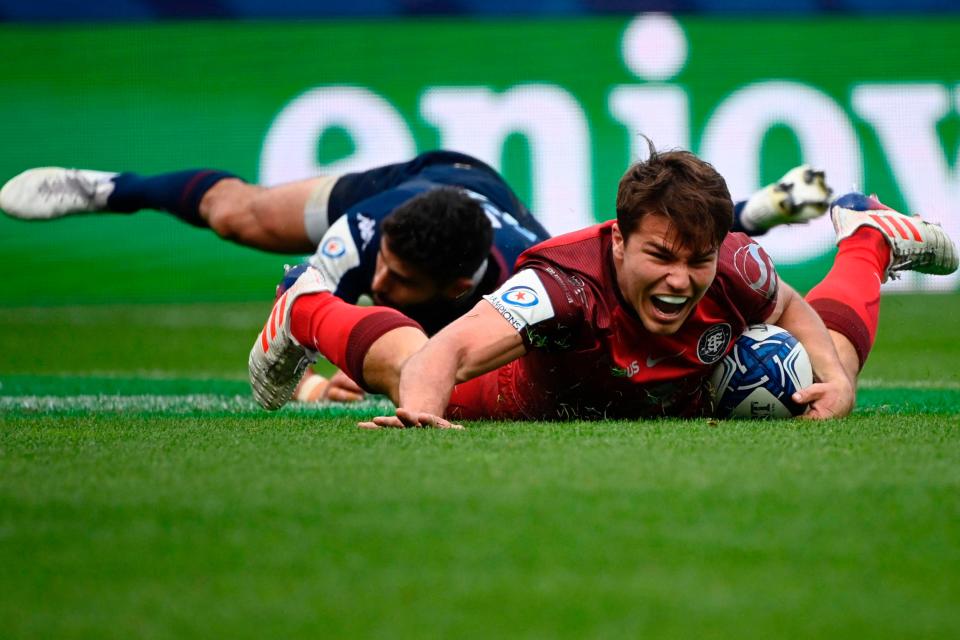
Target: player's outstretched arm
833, 396
474, 344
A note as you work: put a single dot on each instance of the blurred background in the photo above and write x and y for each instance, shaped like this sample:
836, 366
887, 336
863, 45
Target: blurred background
554, 93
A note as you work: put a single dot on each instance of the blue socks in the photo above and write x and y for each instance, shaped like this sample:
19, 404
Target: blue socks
178, 193
737, 225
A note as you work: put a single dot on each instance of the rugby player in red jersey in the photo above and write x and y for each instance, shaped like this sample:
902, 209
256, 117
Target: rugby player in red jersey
415, 236
621, 320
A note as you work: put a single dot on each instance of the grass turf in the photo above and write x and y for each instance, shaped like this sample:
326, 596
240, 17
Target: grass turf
155, 526
171, 507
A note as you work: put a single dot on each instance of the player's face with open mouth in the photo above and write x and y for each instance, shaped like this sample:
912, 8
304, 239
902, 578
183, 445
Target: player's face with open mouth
660, 277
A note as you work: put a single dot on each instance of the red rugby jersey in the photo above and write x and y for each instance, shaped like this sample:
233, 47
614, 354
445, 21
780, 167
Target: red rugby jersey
589, 355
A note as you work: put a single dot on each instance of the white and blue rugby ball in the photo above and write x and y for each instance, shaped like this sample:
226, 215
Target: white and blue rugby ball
759, 376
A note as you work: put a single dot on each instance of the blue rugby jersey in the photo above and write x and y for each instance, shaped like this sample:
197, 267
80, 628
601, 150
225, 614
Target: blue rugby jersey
359, 202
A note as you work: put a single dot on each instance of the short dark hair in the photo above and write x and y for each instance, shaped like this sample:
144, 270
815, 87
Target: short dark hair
443, 232
681, 186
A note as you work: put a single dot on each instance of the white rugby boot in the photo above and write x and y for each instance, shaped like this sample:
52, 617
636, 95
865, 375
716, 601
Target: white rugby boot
277, 361
798, 197
915, 244
53, 192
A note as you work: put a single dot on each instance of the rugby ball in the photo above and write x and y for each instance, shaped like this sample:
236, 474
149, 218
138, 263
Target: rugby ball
760, 374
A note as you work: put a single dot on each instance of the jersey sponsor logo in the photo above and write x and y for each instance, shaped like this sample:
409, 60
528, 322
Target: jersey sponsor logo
367, 227
516, 322
756, 269
713, 343
522, 300
520, 296
629, 371
333, 247
652, 362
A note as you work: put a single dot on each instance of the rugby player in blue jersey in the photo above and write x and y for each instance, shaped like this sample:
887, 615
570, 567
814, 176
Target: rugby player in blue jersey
428, 237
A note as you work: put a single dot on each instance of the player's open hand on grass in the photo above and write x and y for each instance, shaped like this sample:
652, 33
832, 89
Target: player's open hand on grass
405, 419
826, 400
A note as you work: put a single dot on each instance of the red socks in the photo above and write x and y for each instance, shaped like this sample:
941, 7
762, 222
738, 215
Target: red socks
342, 332
848, 298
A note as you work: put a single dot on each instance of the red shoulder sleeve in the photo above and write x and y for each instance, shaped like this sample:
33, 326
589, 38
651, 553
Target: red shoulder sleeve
543, 303
748, 277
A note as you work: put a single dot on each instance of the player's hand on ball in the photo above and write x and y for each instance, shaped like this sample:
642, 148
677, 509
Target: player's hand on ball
826, 400
406, 419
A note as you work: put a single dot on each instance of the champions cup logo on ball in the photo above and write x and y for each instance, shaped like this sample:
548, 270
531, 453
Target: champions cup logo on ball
758, 378
520, 296
334, 248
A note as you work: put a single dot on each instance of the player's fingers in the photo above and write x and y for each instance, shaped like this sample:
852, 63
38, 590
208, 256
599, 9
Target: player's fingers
811, 393
428, 420
349, 385
812, 413
419, 419
380, 422
343, 381
812, 398
339, 394
392, 422
409, 418
828, 407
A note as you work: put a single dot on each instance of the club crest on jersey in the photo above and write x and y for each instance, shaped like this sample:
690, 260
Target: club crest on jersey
713, 343
520, 296
754, 266
333, 247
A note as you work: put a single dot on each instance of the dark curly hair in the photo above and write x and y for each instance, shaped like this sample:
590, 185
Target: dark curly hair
682, 187
442, 232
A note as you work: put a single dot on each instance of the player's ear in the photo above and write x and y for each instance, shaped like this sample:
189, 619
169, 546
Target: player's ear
457, 288
617, 238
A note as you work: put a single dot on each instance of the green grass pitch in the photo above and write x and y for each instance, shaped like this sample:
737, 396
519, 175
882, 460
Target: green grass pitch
143, 495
